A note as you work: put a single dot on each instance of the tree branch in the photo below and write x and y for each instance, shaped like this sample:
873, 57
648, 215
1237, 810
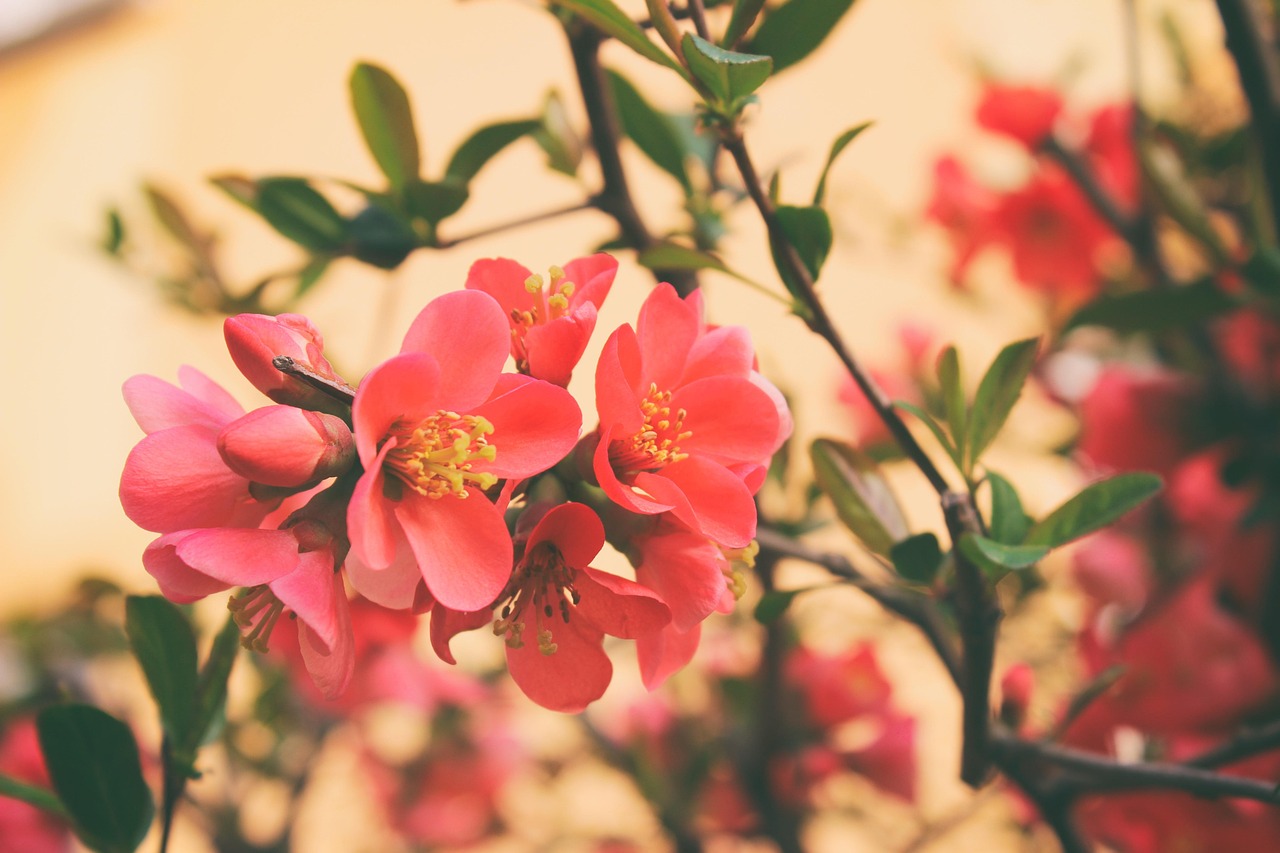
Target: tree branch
1260, 79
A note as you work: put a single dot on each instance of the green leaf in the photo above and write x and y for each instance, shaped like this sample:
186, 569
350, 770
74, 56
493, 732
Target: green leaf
795, 29
1009, 522
1262, 270
300, 213
730, 76
484, 144
1155, 310
953, 397
557, 138
170, 216
113, 239
862, 497
46, 801
842, 141
917, 558
162, 641
808, 229
934, 427
673, 256
93, 763
774, 603
609, 19
998, 391
379, 237
991, 554
238, 187
1096, 506
434, 201
211, 689
386, 121
651, 130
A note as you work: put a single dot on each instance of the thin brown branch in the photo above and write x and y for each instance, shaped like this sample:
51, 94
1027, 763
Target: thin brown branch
1259, 71
1245, 745
530, 219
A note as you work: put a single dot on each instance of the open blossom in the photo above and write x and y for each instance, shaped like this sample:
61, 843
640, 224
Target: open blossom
551, 320
682, 413
436, 427
965, 209
1024, 113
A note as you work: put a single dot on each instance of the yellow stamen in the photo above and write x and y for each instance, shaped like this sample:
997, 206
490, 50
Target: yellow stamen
257, 608
542, 584
657, 443
436, 457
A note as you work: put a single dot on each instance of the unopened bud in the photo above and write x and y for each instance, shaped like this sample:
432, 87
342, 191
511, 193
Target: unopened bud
287, 446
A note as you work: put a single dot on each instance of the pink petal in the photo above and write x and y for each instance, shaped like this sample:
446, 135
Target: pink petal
621, 493
592, 277
395, 585
308, 591
535, 425
468, 334
240, 556
462, 546
555, 347
330, 667
209, 392
178, 581
726, 351
447, 624
618, 391
571, 678
503, 279
722, 505
371, 523
574, 529
286, 446
619, 607
662, 653
157, 405
684, 570
403, 388
175, 480
732, 419
666, 330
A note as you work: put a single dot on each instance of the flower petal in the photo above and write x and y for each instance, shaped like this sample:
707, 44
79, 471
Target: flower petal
571, 678
240, 556
393, 586
555, 347
403, 388
726, 351
666, 330
731, 418
330, 668
622, 493
535, 425
618, 391
370, 520
592, 276
503, 279
684, 570
462, 545
447, 624
308, 591
617, 606
720, 504
574, 529
156, 405
662, 653
468, 334
177, 580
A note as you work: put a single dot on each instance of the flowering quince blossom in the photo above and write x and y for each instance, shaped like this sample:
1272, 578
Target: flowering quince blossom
254, 340
684, 417
436, 427
1024, 113
23, 827
551, 321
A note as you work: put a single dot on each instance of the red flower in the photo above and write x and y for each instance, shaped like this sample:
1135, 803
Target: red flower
1024, 113
965, 209
255, 339
1137, 421
286, 446
25, 828
550, 321
680, 406
436, 427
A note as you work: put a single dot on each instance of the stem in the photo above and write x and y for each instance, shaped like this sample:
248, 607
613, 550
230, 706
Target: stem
615, 198
1260, 79
172, 785
698, 14
1243, 746
516, 223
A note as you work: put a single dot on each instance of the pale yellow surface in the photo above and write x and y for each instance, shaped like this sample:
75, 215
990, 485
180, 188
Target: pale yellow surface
174, 91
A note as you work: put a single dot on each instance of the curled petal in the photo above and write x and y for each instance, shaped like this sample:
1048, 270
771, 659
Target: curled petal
721, 504
447, 624
556, 347
593, 277
330, 665
371, 523
618, 391
503, 279
157, 405
574, 529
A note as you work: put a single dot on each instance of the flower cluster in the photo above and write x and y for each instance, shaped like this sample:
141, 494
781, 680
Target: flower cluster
424, 488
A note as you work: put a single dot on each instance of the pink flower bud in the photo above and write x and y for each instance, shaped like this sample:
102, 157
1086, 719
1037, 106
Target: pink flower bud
1016, 687
287, 446
255, 339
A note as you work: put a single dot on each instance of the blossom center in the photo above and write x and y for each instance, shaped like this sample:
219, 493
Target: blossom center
657, 443
542, 585
551, 301
256, 610
436, 457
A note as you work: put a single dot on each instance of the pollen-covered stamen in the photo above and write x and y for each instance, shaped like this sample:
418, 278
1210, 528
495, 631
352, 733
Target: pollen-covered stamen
658, 441
550, 301
738, 562
541, 585
436, 457
258, 610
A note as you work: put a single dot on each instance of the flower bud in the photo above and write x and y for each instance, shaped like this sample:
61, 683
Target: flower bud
1016, 687
287, 446
255, 339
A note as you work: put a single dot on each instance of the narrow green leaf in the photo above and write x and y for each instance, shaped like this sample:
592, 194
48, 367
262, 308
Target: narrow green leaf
300, 213
238, 187
172, 218
744, 15
435, 200
729, 76
1096, 506
113, 239
989, 553
46, 801
673, 256
1009, 522
862, 497
609, 19
917, 558
842, 142
953, 398
484, 144
1155, 310
380, 237
998, 391
162, 641
934, 427
651, 130
808, 229
93, 763
557, 138
211, 689
773, 604
795, 29
386, 121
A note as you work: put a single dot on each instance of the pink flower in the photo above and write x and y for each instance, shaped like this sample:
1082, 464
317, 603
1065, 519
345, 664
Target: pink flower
1024, 113
293, 567
838, 688
965, 209
1109, 148
1138, 421
255, 339
24, 828
175, 479
550, 321
436, 427
557, 609
680, 407
288, 447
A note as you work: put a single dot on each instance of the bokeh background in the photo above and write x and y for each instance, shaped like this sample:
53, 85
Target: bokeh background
173, 92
